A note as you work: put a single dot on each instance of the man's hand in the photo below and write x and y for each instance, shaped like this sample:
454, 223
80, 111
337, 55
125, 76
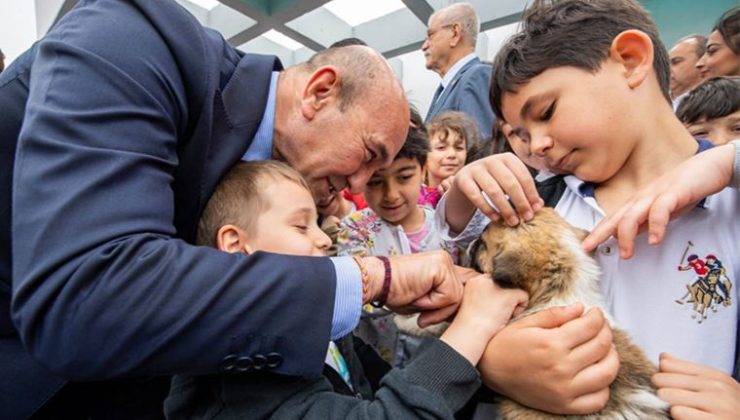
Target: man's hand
555, 360
426, 282
695, 391
504, 179
673, 193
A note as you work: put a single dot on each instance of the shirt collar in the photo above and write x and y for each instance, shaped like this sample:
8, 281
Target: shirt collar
261, 146
456, 68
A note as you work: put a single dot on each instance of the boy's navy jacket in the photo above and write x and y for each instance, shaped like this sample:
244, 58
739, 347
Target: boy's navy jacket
129, 113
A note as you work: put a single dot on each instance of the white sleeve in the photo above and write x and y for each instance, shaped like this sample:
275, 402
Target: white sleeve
472, 230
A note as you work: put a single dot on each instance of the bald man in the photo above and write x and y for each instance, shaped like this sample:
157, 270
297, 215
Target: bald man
684, 74
449, 50
131, 113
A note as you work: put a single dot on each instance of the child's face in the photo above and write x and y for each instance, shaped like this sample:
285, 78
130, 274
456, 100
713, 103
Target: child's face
718, 59
446, 155
521, 149
289, 226
719, 130
331, 205
573, 121
392, 192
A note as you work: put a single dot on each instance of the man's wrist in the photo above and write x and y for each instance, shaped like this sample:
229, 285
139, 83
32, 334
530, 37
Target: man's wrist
376, 274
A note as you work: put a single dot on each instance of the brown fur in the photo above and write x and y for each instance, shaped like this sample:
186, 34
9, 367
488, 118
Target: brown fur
534, 257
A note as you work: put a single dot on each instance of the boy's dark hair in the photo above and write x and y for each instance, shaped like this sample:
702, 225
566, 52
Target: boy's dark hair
416, 120
416, 145
576, 33
239, 199
714, 98
728, 25
483, 149
458, 123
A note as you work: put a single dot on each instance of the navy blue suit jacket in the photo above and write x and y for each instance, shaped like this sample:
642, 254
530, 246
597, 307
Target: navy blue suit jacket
468, 93
131, 112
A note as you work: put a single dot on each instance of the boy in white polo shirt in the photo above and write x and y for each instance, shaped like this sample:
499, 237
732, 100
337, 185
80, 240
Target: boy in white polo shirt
584, 86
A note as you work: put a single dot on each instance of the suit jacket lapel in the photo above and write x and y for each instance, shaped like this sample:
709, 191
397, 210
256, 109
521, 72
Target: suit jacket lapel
448, 90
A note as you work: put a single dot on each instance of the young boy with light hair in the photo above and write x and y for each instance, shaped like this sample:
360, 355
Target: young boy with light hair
266, 206
584, 87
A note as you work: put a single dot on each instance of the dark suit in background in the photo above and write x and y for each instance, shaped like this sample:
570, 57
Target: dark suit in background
468, 93
131, 113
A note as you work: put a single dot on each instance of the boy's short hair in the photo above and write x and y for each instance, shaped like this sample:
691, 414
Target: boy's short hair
575, 33
728, 26
458, 123
416, 145
714, 98
239, 199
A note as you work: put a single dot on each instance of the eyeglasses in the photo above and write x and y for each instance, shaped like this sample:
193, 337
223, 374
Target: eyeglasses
431, 33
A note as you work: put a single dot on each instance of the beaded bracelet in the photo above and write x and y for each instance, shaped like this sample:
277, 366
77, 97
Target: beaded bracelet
364, 275
386, 283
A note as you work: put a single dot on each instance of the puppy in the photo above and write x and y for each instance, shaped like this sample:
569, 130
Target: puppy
544, 257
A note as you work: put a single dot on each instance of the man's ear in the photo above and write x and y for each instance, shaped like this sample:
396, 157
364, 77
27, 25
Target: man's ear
456, 35
322, 88
231, 239
633, 49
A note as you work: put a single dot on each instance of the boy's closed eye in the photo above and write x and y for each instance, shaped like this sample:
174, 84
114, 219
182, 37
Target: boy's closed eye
301, 219
546, 115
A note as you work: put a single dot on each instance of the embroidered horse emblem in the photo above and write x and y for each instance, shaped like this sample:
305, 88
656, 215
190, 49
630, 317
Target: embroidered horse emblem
711, 287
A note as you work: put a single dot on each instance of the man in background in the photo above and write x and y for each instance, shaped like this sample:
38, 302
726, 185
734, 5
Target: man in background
449, 50
684, 74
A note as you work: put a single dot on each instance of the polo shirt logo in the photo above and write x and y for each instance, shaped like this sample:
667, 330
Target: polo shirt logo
711, 287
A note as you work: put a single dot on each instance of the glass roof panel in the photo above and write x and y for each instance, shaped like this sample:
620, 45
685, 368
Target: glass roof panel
356, 12
282, 39
206, 4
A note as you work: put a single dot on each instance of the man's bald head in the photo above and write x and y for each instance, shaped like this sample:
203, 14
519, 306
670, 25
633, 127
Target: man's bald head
363, 72
339, 117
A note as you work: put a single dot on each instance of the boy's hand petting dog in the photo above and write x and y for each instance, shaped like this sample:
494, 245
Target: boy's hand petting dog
555, 360
695, 391
504, 179
671, 194
486, 308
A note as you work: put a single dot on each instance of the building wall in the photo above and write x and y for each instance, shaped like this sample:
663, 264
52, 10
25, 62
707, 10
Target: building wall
677, 18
